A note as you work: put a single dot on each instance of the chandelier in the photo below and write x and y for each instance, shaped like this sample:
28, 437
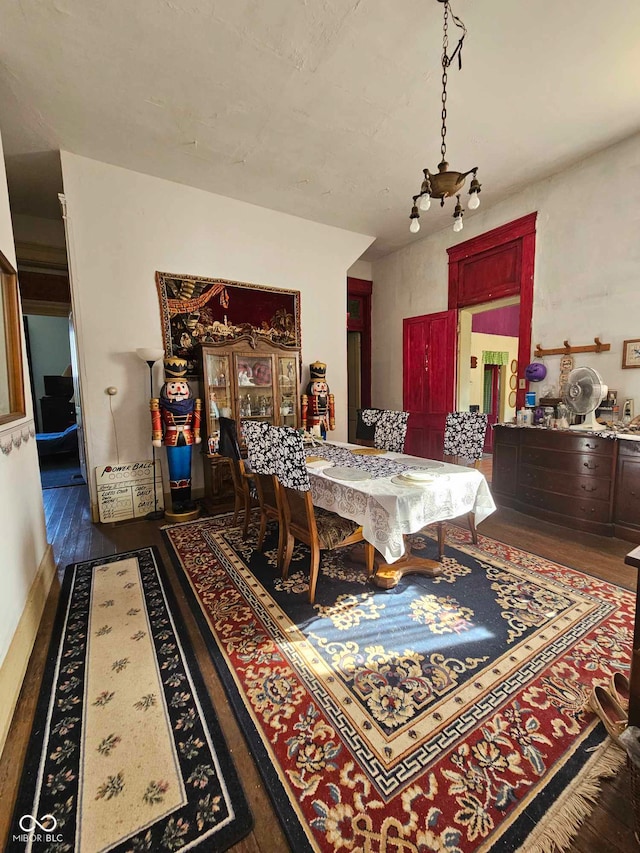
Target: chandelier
444, 183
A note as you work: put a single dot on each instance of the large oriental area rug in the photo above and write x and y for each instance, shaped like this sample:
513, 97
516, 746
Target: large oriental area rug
448, 714
126, 753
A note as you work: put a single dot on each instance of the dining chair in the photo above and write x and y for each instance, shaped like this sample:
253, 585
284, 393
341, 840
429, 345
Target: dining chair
391, 430
366, 426
262, 463
229, 448
318, 528
464, 434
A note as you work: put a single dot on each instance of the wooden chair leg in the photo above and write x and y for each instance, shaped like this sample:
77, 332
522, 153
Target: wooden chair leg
281, 545
471, 518
441, 535
263, 530
236, 510
369, 553
286, 558
247, 516
313, 572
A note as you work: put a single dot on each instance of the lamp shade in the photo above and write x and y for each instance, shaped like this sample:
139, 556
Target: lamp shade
150, 353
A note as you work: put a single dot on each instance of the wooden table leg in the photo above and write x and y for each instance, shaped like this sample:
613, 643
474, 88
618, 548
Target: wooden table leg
388, 575
633, 559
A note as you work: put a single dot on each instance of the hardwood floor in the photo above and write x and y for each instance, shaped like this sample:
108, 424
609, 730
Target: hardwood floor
74, 537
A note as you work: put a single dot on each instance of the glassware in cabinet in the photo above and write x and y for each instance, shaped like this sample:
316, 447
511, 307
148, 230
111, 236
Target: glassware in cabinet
254, 377
287, 384
217, 376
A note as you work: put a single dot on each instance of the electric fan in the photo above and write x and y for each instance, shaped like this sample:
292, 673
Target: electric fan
583, 393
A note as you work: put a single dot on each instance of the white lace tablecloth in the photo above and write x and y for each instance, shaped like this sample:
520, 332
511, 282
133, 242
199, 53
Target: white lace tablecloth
387, 510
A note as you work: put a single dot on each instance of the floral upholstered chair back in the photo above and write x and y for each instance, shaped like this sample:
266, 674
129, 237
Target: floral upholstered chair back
291, 462
260, 451
464, 434
391, 430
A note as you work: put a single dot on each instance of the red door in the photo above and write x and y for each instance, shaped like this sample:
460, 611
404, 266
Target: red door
491, 401
429, 379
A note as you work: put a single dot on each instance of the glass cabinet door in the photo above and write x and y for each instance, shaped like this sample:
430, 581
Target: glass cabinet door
254, 377
217, 376
287, 383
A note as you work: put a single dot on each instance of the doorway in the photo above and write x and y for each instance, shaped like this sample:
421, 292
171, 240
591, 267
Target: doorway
495, 266
358, 349
46, 307
488, 341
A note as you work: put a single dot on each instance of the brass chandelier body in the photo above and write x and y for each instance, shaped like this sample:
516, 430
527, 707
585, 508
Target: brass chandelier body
444, 183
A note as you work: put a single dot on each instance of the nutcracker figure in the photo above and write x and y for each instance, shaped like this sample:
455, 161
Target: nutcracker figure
175, 420
318, 407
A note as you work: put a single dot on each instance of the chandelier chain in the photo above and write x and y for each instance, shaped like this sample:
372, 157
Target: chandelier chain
446, 183
445, 65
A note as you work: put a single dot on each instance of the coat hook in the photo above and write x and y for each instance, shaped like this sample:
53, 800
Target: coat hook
567, 346
598, 344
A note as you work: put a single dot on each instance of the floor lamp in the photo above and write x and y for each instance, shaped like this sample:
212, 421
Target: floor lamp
151, 356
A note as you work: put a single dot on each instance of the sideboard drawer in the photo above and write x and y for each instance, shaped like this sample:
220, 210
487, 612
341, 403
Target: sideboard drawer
574, 485
591, 510
573, 463
569, 442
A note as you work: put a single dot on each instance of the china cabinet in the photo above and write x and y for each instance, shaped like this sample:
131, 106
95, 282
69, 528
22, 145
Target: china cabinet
245, 380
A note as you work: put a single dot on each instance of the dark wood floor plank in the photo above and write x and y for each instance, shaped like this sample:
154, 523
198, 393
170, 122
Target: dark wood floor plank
74, 537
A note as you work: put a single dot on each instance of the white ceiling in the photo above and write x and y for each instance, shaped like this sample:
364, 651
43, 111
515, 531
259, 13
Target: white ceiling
326, 109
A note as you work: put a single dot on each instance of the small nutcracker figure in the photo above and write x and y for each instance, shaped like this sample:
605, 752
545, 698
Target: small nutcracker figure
175, 419
318, 407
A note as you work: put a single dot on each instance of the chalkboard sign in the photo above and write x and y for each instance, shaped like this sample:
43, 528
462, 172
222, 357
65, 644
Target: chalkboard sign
125, 490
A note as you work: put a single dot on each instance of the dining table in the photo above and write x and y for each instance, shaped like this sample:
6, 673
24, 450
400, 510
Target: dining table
392, 495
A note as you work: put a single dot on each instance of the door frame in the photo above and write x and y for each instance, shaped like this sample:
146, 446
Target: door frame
521, 231
361, 289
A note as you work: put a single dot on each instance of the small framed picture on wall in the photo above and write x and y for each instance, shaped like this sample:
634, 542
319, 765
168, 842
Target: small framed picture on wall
631, 353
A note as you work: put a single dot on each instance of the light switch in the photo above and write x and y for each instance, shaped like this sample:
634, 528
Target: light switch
522, 384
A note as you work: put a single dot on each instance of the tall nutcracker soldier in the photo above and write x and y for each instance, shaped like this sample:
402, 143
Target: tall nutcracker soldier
175, 420
318, 407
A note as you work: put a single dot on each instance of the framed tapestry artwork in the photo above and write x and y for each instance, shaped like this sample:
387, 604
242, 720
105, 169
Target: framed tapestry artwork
195, 310
631, 353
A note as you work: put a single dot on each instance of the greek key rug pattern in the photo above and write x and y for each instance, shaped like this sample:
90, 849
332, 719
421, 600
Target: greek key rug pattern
448, 714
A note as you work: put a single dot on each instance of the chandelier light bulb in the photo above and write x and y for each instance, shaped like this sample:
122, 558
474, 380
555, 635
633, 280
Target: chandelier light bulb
474, 202
425, 202
457, 225
415, 226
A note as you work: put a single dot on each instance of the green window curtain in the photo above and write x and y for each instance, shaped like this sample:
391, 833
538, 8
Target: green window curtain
489, 357
486, 391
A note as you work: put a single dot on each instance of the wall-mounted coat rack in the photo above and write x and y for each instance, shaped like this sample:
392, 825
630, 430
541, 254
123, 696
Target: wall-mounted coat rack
567, 349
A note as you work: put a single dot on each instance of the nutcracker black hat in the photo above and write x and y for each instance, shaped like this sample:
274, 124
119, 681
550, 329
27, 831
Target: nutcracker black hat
175, 368
318, 370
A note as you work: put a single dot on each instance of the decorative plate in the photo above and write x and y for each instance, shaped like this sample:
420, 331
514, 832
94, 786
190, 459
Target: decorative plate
513, 382
401, 480
343, 473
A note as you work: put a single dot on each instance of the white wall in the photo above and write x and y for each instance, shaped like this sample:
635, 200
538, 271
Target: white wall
586, 270
24, 540
361, 269
123, 226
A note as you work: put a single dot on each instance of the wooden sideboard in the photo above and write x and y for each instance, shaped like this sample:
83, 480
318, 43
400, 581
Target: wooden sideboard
579, 480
